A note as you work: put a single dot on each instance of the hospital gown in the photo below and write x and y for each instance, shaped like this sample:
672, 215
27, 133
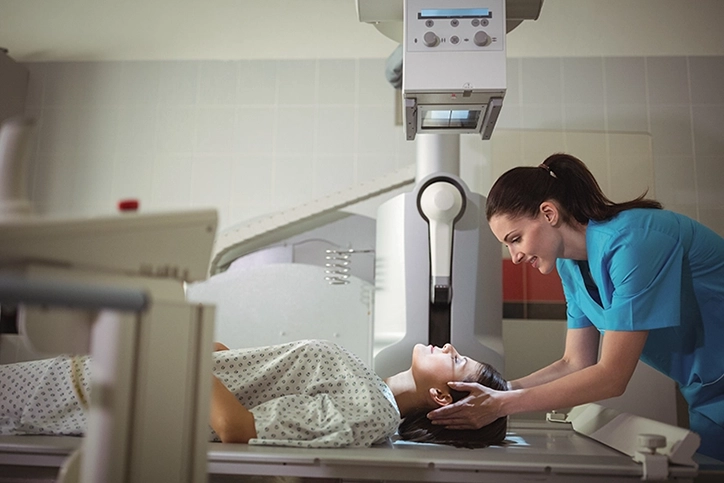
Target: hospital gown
304, 393
662, 272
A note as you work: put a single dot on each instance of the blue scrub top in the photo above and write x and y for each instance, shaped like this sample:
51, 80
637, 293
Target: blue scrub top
663, 272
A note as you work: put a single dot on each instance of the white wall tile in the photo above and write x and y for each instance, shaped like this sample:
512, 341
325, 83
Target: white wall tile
510, 116
375, 133
93, 185
625, 80
627, 118
83, 83
707, 79
216, 130
676, 184
179, 83
97, 128
258, 82
337, 82
285, 124
374, 89
295, 130
708, 122
242, 213
211, 180
584, 117
136, 129
54, 182
370, 166
406, 151
256, 130
583, 81
512, 87
630, 166
668, 80
171, 181
541, 81
335, 132
671, 130
251, 181
297, 82
333, 172
218, 82
293, 181
710, 179
140, 83
537, 145
631, 176
629, 144
58, 131
541, 116
36, 85
133, 179
176, 129
506, 151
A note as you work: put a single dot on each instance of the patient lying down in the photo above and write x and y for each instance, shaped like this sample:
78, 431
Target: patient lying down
307, 393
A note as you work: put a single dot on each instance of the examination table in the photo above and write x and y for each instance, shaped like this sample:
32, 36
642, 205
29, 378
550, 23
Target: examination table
537, 451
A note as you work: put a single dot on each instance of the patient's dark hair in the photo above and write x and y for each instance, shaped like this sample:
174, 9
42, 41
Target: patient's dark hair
417, 427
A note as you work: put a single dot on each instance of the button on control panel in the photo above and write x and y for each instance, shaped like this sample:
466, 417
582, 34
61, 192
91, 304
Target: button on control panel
455, 29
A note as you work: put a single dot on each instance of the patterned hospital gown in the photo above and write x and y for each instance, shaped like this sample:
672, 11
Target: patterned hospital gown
305, 393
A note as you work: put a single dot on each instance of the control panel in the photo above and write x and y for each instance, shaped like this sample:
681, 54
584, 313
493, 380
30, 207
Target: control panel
470, 26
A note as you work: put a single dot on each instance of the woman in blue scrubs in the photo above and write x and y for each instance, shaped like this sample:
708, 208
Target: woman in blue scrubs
648, 280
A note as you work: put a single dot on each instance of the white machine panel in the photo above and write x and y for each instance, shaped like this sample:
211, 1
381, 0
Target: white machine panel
454, 71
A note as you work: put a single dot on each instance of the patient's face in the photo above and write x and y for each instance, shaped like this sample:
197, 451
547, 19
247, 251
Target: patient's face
436, 366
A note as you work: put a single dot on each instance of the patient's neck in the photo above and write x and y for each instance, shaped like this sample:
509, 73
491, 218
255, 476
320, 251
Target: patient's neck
406, 392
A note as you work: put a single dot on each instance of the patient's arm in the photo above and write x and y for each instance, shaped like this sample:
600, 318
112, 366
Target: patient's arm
229, 418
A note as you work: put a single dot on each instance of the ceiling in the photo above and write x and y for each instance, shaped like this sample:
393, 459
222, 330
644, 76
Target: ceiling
191, 29
82, 30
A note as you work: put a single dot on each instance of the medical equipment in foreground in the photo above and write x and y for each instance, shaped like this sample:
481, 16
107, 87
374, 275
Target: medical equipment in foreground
114, 286
14, 140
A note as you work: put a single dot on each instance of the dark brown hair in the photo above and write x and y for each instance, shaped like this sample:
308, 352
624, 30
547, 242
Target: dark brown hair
562, 178
417, 427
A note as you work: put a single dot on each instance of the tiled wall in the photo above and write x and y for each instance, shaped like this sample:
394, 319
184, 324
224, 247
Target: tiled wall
678, 100
246, 137
253, 136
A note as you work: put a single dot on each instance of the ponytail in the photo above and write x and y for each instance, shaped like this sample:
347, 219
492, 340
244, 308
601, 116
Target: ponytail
562, 178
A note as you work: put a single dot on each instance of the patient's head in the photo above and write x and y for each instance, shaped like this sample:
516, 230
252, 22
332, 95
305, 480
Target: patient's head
432, 369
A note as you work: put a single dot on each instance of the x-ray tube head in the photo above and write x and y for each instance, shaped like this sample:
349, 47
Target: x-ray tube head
453, 65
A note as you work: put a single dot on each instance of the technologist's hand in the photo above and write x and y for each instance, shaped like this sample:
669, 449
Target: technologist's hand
474, 411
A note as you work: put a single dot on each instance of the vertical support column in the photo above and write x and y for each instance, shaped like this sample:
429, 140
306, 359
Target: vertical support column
107, 443
437, 153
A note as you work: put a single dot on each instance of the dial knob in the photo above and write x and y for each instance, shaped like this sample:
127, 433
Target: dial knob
651, 442
481, 39
430, 39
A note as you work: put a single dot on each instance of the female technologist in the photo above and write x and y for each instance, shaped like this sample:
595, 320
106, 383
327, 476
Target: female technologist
649, 280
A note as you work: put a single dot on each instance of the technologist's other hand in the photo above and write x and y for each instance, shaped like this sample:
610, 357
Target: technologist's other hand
472, 412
